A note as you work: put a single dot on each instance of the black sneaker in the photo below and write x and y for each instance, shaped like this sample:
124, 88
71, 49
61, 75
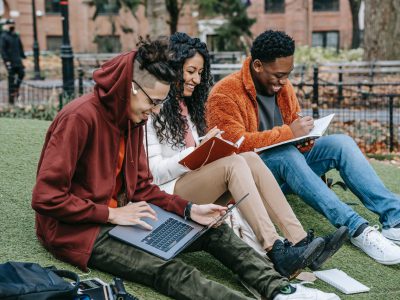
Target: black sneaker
288, 260
333, 242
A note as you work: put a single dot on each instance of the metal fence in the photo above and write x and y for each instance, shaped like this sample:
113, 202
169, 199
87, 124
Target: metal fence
365, 97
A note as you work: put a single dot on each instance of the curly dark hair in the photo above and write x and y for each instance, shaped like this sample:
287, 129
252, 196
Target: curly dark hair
154, 56
270, 45
170, 125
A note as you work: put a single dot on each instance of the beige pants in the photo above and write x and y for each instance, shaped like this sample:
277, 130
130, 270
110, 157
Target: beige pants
241, 174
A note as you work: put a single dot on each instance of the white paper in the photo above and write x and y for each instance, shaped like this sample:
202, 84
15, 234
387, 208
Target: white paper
341, 281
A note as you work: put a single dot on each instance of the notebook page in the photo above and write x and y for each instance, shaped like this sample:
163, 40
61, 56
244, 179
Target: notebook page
341, 281
320, 125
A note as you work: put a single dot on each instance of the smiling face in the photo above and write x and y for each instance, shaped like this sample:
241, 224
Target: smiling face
140, 106
271, 77
192, 70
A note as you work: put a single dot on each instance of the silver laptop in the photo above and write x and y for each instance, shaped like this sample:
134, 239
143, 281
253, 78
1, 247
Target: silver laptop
171, 233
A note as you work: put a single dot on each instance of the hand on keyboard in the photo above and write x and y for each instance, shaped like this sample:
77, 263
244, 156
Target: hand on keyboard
132, 214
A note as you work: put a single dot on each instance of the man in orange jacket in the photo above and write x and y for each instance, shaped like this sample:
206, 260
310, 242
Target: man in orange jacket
263, 108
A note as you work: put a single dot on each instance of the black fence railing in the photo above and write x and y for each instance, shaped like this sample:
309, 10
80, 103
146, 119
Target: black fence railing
365, 97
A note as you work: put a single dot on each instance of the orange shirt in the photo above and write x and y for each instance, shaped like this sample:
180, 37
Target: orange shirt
118, 184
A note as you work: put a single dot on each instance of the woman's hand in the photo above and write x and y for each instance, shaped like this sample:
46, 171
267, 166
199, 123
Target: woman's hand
131, 214
213, 132
206, 214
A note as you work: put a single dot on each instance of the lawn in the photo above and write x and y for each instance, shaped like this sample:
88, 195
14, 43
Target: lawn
20, 145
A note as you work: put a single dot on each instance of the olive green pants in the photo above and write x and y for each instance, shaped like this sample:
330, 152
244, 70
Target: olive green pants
179, 280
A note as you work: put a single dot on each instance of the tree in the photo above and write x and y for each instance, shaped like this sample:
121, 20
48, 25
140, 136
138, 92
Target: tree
382, 30
235, 33
174, 9
355, 8
157, 17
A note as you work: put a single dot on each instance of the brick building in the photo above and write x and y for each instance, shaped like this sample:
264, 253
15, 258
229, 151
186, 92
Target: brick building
310, 22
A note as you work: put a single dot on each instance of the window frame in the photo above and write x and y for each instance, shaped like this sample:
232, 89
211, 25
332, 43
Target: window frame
325, 38
274, 12
52, 12
325, 9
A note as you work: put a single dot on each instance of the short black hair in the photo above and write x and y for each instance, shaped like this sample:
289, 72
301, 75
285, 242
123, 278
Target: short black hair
270, 45
154, 56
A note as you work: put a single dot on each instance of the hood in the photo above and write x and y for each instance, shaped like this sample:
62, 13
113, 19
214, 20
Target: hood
113, 87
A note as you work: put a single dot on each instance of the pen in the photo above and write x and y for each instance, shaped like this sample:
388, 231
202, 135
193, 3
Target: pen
204, 136
300, 115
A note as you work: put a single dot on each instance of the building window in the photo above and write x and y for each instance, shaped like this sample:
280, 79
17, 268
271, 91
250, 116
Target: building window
274, 6
110, 8
108, 44
52, 6
326, 39
325, 5
212, 42
53, 42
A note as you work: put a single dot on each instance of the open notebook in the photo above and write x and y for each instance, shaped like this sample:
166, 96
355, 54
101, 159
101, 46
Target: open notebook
215, 148
341, 281
320, 126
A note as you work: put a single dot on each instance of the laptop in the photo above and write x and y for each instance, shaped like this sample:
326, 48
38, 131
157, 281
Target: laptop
171, 233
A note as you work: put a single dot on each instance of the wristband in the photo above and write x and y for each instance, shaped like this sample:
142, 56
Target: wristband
187, 211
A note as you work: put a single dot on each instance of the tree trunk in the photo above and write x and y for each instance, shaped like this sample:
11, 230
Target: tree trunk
382, 30
173, 10
355, 8
157, 16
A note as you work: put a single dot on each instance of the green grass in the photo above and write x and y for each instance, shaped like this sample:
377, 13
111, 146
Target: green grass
20, 145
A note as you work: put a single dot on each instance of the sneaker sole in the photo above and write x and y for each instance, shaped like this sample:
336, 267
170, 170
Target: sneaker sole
313, 250
339, 238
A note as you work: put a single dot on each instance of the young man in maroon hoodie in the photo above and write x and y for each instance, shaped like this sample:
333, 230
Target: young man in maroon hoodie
93, 175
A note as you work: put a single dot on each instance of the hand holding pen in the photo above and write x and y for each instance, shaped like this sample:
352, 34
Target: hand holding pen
213, 132
302, 125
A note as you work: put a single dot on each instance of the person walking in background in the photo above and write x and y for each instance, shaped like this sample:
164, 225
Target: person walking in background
12, 53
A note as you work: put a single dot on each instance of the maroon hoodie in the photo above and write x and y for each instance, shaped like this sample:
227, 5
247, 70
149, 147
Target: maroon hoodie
77, 167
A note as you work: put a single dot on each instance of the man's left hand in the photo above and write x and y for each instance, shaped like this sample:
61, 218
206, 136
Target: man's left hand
207, 213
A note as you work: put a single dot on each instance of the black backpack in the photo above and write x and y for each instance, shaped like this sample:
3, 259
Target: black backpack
30, 281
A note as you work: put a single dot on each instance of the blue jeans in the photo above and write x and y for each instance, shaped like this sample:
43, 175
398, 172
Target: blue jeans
300, 173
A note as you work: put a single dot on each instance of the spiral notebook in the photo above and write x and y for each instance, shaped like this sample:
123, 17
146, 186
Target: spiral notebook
341, 281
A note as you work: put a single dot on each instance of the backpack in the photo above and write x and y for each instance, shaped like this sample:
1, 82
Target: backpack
30, 281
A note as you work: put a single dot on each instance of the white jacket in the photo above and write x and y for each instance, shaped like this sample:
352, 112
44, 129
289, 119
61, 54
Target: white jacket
163, 159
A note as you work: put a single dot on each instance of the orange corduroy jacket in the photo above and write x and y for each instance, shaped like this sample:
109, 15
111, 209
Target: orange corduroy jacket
233, 108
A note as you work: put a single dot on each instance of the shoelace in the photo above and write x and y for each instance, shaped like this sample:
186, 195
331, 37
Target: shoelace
310, 235
373, 238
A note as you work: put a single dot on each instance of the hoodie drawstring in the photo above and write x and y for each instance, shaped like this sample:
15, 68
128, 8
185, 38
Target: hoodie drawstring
147, 150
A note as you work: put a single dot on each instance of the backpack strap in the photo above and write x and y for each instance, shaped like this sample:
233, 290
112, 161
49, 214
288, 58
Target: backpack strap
68, 274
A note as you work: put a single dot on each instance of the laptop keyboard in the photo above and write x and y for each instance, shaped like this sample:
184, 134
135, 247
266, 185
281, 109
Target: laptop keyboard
167, 235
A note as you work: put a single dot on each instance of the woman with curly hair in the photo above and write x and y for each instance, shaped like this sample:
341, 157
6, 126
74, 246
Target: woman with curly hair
174, 133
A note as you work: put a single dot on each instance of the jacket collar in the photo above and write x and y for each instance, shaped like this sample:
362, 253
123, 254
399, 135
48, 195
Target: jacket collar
248, 80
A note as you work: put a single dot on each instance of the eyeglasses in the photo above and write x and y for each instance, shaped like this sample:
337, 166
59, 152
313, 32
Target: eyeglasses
154, 102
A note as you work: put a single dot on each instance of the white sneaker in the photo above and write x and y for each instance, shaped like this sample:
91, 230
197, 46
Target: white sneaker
372, 242
392, 234
304, 293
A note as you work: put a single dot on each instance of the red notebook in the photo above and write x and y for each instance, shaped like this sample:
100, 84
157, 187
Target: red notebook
215, 148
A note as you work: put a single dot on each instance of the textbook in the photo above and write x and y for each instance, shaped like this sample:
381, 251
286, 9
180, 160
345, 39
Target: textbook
215, 148
319, 129
340, 280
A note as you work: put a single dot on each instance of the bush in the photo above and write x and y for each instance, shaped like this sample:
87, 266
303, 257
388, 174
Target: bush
311, 55
41, 112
